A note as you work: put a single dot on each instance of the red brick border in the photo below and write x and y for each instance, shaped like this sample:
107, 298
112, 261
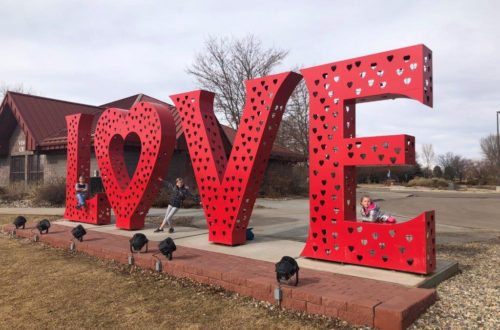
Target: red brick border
356, 300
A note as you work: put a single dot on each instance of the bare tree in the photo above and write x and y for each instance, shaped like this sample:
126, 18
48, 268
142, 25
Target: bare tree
454, 165
489, 147
18, 88
437, 171
225, 64
428, 156
294, 129
491, 152
479, 172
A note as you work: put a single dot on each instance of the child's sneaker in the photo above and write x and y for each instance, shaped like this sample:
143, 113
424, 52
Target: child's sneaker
391, 219
170, 230
158, 230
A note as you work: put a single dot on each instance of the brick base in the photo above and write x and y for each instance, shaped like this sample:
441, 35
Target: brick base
356, 300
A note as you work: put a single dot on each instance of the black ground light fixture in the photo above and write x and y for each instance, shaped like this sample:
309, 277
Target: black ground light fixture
78, 232
137, 242
19, 222
286, 268
43, 226
167, 247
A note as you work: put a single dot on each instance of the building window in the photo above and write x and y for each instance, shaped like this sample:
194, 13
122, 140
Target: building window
17, 168
35, 171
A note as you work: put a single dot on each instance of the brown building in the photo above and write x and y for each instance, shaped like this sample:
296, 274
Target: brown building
33, 139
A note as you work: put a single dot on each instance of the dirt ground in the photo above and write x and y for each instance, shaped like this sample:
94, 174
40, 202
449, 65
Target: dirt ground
43, 287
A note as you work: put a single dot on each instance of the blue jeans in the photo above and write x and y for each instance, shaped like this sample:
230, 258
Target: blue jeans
81, 198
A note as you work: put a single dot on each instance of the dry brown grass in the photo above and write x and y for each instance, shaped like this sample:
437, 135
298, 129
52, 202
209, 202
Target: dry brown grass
50, 193
8, 219
178, 221
15, 191
428, 182
43, 287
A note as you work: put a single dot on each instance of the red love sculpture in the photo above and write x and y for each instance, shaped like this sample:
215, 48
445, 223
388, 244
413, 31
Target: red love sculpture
228, 187
97, 210
334, 90
154, 126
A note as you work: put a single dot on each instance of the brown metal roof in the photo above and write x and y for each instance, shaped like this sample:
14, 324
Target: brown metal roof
58, 140
41, 117
124, 103
43, 121
128, 102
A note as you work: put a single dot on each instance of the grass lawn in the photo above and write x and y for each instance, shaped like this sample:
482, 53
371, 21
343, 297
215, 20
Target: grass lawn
43, 287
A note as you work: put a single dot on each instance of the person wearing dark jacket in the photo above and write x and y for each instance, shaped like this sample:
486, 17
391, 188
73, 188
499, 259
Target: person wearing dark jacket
81, 189
178, 194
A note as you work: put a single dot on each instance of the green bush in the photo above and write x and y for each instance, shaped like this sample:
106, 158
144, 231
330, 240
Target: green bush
52, 192
428, 182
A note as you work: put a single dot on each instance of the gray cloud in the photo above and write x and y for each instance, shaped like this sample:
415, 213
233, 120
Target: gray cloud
94, 52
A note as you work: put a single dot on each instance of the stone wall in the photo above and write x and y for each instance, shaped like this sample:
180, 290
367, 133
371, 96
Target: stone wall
54, 165
4, 171
17, 143
17, 148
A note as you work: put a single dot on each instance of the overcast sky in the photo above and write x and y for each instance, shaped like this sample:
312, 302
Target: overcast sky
98, 51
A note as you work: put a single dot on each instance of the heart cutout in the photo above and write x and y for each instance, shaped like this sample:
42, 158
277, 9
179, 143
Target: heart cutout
122, 169
131, 197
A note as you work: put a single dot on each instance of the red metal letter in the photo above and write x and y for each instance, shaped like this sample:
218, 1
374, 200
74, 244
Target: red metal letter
228, 188
78, 163
335, 89
153, 124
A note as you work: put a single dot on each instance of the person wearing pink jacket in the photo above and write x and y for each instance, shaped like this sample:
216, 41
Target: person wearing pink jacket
371, 212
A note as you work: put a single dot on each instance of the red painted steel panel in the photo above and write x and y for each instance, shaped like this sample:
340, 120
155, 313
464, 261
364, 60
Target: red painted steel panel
131, 198
128, 102
98, 210
334, 89
228, 187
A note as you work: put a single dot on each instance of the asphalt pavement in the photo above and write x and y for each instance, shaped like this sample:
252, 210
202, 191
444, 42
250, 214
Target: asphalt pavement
460, 216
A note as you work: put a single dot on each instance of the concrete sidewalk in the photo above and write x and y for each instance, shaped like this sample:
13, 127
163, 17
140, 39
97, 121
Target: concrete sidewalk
271, 249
